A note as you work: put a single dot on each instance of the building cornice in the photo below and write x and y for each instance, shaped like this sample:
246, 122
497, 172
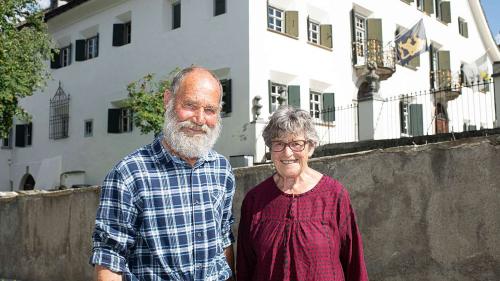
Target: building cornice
484, 30
61, 9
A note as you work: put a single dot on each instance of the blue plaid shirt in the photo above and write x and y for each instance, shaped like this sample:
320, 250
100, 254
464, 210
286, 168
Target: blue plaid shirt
161, 219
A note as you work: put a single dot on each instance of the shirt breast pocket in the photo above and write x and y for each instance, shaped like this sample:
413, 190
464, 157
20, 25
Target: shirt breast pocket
217, 198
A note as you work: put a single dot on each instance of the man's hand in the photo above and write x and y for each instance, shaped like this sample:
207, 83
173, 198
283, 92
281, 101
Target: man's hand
230, 260
104, 274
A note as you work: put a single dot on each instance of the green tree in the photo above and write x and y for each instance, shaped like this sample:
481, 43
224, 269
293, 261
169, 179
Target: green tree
146, 101
24, 51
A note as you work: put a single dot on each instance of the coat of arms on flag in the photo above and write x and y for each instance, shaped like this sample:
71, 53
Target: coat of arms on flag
411, 43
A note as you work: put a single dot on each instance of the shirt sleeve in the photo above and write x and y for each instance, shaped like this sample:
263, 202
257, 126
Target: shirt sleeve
351, 245
114, 231
245, 258
227, 215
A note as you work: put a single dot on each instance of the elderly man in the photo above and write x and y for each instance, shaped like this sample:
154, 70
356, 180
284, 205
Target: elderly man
165, 209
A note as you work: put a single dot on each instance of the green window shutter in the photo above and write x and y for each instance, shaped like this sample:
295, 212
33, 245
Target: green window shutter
466, 30
20, 135
374, 29
114, 116
446, 12
118, 34
415, 62
227, 103
56, 60
325, 31
80, 50
97, 46
294, 96
416, 120
401, 117
429, 7
353, 38
29, 129
292, 23
219, 7
328, 112
269, 86
176, 15
444, 60
70, 53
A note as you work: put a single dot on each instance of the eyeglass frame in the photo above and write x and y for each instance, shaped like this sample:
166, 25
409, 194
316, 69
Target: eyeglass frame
285, 144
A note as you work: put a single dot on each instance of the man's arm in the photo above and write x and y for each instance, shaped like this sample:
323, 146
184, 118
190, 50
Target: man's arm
104, 274
230, 260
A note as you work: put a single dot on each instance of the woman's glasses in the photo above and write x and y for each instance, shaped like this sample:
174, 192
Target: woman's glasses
296, 145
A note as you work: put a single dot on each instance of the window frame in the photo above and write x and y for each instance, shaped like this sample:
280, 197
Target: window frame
462, 27
92, 47
437, 7
315, 113
7, 142
360, 34
86, 132
126, 123
275, 95
310, 31
65, 56
127, 32
271, 16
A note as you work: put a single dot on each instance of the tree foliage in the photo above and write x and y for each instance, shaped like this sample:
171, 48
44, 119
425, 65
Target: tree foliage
146, 101
24, 50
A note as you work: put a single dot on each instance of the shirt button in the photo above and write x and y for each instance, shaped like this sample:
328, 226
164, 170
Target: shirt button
199, 235
196, 202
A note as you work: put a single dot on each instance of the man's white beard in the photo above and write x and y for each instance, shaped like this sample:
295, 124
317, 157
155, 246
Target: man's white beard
188, 146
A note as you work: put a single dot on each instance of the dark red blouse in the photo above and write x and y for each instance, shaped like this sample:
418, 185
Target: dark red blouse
311, 236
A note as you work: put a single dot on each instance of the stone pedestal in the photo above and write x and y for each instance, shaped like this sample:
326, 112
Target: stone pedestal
369, 104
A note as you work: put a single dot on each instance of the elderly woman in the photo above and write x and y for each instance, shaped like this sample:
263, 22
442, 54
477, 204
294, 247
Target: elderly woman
297, 224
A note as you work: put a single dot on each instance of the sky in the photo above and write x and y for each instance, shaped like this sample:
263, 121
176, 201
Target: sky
491, 9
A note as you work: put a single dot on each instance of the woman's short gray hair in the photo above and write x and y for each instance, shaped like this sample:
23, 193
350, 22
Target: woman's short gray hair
290, 121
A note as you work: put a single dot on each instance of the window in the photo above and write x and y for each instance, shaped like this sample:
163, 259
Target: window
24, 135
275, 18
120, 120
411, 119
122, 33
420, 5
7, 142
87, 48
314, 104
88, 128
360, 35
176, 15
226, 97
61, 59
59, 115
313, 33
438, 8
277, 95
219, 7
463, 28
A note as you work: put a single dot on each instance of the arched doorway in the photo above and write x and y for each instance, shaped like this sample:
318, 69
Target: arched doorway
27, 183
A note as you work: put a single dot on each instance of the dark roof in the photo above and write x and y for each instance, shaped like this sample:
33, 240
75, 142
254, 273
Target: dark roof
61, 9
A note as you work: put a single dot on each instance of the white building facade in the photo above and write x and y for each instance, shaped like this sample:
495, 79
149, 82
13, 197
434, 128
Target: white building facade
311, 54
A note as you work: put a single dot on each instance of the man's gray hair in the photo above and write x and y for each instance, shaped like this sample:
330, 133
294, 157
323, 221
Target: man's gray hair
290, 121
176, 81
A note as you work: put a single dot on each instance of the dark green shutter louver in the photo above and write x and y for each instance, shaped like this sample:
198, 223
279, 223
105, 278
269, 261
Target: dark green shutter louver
114, 116
374, 29
416, 120
97, 46
29, 129
429, 6
20, 135
353, 38
56, 60
292, 23
118, 34
80, 50
466, 30
445, 12
226, 99
401, 117
220, 7
269, 90
328, 112
294, 96
70, 53
325, 31
375, 42
176, 15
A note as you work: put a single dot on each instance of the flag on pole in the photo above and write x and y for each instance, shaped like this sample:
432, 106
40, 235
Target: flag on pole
477, 72
411, 43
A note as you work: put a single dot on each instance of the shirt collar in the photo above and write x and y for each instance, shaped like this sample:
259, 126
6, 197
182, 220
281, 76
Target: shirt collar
162, 155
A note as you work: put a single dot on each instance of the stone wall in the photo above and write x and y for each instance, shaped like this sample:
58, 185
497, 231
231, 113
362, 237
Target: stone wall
427, 212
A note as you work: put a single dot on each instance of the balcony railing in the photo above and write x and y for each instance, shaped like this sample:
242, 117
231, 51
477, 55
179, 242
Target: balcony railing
373, 51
